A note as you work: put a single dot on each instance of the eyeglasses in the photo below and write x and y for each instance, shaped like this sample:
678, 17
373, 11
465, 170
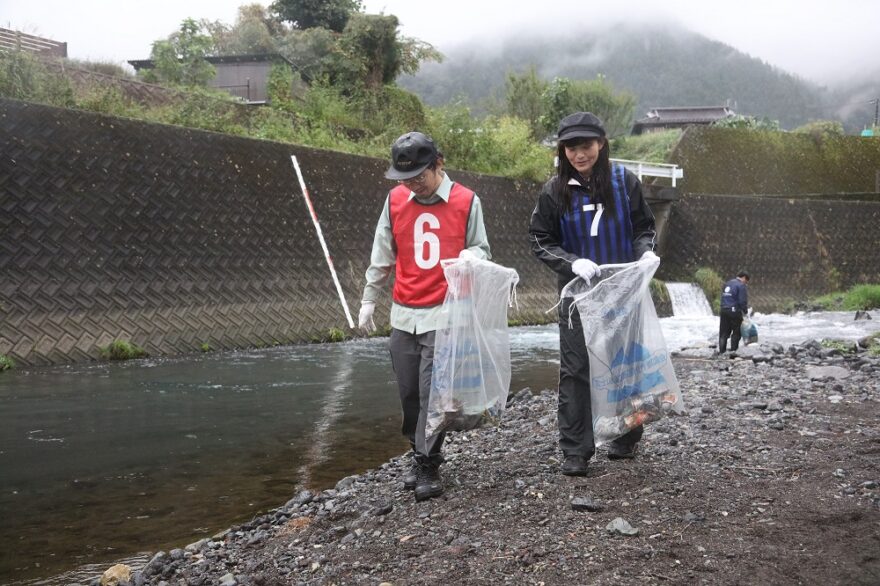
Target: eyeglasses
418, 179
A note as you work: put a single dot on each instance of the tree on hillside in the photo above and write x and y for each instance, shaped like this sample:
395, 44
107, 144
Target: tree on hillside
180, 59
254, 31
306, 14
369, 53
563, 96
523, 99
312, 52
376, 53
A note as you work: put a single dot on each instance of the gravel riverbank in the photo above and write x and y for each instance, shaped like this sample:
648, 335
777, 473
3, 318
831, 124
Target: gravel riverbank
771, 478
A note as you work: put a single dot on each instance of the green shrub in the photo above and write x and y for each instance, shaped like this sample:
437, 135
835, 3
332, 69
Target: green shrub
336, 335
209, 110
6, 363
659, 292
108, 100
859, 297
494, 145
862, 297
205, 347
24, 77
654, 146
829, 302
122, 350
821, 130
711, 283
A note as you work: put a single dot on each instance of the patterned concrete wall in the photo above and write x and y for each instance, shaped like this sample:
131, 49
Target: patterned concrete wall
792, 248
171, 237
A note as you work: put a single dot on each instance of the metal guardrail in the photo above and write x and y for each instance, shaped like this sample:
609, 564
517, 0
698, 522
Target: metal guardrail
642, 168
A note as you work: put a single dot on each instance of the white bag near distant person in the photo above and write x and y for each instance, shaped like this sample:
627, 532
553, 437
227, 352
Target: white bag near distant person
631, 376
471, 372
748, 331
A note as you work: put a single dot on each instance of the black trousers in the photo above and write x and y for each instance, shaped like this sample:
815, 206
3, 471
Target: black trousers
574, 412
731, 320
412, 358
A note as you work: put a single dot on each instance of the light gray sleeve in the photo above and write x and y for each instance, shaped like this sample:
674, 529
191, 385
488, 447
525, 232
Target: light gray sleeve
477, 240
382, 258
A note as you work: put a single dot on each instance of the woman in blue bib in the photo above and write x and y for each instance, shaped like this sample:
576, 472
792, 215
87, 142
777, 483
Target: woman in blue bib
592, 212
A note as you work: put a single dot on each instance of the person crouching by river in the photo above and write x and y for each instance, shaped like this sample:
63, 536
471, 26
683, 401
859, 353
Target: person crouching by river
426, 217
591, 212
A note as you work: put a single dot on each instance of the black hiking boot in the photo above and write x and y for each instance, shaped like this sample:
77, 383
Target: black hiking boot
411, 477
428, 483
574, 466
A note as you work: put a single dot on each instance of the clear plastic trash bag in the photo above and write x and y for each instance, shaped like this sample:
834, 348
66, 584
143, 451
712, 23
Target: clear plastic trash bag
748, 331
471, 371
631, 376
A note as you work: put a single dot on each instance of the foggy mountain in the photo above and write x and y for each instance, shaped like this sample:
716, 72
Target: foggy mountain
661, 66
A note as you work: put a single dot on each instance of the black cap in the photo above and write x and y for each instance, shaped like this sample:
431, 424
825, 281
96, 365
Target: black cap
411, 154
580, 125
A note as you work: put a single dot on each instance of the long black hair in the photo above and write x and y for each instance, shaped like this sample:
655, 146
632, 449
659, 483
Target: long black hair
598, 184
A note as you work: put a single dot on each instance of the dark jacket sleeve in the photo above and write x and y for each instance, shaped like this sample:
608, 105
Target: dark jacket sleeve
641, 216
742, 298
545, 236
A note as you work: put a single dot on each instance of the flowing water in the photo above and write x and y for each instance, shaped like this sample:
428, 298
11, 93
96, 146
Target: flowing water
105, 462
688, 300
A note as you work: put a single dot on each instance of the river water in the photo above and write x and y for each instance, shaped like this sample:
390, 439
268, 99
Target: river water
104, 462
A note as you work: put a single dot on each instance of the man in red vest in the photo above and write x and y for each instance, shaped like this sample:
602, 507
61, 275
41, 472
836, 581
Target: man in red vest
427, 217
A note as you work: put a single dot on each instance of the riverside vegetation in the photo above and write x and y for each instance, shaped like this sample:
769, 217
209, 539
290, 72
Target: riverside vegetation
337, 90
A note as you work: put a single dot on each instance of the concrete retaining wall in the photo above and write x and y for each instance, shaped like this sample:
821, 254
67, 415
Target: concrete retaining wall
172, 238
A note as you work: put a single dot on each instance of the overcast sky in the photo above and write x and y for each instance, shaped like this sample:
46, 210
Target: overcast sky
819, 40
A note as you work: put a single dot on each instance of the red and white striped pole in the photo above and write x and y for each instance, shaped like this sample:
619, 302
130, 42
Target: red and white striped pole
308, 199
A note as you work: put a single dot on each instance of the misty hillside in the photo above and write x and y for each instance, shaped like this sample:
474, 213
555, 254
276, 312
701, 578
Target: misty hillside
660, 66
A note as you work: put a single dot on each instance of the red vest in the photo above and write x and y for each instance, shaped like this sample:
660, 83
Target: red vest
424, 234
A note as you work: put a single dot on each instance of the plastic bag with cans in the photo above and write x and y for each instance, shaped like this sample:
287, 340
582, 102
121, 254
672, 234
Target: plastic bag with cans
632, 381
471, 371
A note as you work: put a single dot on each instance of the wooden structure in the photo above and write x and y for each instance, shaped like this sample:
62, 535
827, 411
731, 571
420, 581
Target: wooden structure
11, 40
243, 76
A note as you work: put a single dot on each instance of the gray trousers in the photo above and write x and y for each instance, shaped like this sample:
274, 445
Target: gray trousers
412, 358
575, 413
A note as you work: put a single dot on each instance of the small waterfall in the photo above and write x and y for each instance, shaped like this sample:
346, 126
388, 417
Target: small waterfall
688, 300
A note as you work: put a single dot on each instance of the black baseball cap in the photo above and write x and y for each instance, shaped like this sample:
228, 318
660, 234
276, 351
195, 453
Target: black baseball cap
580, 125
411, 154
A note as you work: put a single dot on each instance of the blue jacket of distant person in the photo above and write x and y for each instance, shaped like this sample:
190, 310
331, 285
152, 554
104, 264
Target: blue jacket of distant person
735, 297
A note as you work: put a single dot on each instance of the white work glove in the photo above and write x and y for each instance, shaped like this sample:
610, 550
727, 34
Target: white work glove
649, 255
466, 254
365, 317
585, 269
